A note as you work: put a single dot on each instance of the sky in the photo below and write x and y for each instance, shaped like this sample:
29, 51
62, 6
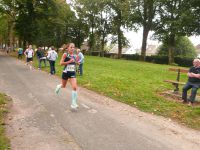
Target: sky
135, 39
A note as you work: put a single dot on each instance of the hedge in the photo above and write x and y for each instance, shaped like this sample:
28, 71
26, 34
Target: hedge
180, 61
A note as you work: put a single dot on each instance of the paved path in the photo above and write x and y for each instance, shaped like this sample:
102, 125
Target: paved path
41, 120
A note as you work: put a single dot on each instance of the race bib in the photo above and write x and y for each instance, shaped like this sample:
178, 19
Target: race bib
30, 54
70, 68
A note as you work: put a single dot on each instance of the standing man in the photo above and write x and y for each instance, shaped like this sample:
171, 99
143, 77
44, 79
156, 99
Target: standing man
80, 60
40, 56
193, 82
29, 53
52, 56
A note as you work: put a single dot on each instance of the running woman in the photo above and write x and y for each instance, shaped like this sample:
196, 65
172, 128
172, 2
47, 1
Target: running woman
29, 53
68, 60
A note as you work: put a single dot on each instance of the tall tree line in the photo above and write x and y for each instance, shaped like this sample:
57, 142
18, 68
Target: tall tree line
54, 22
169, 19
41, 22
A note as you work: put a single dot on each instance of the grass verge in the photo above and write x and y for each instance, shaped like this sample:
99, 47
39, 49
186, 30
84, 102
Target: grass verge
4, 141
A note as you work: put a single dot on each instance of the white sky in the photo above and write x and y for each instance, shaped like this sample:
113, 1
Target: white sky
135, 39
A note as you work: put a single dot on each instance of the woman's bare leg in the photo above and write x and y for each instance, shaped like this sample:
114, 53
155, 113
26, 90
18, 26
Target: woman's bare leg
59, 86
74, 93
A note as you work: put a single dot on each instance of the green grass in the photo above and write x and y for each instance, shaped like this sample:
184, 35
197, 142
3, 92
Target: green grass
137, 84
4, 142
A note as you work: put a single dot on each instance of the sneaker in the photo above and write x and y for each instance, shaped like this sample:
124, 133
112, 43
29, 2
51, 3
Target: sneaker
185, 102
74, 106
190, 104
57, 90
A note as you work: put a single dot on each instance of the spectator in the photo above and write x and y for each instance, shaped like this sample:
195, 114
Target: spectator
193, 82
41, 57
52, 56
80, 61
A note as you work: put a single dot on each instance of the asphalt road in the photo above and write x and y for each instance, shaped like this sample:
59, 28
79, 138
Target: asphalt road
41, 120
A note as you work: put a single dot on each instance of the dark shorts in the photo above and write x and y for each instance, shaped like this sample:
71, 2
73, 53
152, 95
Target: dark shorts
29, 59
68, 75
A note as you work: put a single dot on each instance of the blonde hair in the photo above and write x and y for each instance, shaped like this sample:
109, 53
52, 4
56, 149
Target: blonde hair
66, 46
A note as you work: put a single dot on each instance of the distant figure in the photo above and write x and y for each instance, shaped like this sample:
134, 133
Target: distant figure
68, 60
52, 56
80, 61
193, 82
20, 53
41, 57
29, 53
8, 49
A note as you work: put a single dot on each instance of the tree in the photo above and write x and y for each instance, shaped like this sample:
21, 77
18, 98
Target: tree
30, 16
195, 10
8, 7
3, 29
183, 48
173, 20
104, 27
88, 11
119, 11
143, 14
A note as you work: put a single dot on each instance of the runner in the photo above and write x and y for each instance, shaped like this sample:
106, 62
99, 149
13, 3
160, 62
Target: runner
29, 53
20, 53
69, 73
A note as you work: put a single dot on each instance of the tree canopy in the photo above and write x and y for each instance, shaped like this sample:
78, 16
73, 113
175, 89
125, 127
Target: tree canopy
183, 48
54, 22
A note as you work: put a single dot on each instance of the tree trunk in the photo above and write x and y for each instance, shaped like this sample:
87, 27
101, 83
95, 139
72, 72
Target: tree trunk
119, 32
119, 44
102, 46
171, 49
24, 44
144, 43
11, 37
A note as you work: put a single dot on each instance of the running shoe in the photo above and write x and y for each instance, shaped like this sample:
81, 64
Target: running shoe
75, 106
57, 90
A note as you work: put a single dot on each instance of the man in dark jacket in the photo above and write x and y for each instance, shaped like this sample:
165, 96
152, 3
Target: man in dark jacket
193, 82
41, 57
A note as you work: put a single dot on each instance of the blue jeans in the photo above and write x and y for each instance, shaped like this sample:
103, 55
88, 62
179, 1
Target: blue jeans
80, 68
52, 67
40, 61
188, 86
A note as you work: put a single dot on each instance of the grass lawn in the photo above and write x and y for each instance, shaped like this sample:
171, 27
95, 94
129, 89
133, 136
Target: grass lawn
4, 142
137, 84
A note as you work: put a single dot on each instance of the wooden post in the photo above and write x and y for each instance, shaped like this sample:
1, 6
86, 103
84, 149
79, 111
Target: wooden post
177, 79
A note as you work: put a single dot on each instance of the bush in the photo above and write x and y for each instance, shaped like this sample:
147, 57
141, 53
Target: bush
95, 53
158, 59
184, 61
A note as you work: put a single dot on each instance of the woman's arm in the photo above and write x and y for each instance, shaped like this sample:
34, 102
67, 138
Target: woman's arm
25, 53
62, 63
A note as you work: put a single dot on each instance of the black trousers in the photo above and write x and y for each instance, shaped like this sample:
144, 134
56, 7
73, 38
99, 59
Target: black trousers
52, 67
